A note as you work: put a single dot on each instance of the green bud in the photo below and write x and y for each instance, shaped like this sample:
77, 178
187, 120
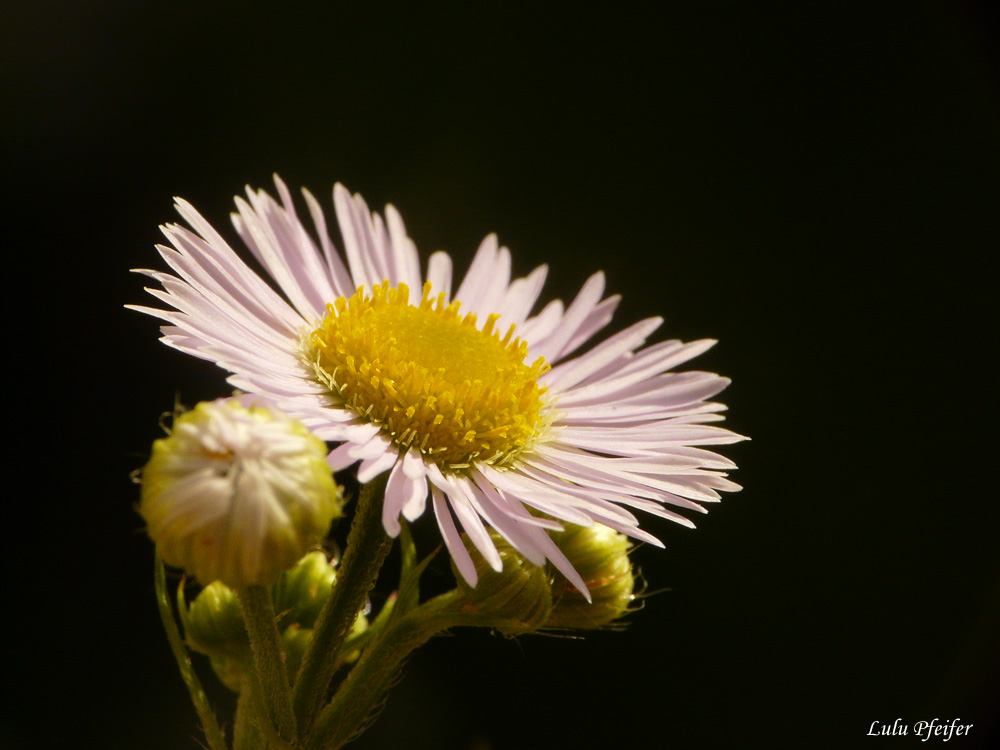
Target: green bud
295, 641
514, 601
600, 556
360, 626
232, 672
214, 623
237, 494
301, 592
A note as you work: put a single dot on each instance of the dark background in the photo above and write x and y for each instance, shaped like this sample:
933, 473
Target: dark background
817, 185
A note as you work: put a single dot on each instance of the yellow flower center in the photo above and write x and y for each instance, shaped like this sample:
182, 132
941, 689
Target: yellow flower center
429, 377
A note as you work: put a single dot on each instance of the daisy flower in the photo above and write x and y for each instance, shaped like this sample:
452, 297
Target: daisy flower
501, 417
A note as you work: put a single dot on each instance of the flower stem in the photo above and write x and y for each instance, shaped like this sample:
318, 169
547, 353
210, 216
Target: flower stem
246, 735
367, 547
216, 740
365, 686
269, 663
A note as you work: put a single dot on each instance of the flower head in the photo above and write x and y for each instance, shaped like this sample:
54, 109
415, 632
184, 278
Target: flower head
237, 494
461, 394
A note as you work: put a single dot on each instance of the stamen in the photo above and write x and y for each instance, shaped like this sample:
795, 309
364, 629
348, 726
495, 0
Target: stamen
429, 377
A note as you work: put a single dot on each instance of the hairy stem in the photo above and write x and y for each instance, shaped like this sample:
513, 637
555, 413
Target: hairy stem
367, 547
368, 681
247, 735
214, 736
269, 662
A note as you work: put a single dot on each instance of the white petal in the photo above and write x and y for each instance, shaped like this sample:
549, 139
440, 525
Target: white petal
467, 516
404, 252
452, 539
521, 297
478, 276
416, 499
359, 260
339, 275
372, 467
415, 471
439, 273
569, 373
340, 458
553, 346
392, 503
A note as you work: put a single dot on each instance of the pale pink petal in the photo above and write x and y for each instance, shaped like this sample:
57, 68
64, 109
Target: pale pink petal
439, 274
452, 539
553, 346
395, 497
478, 276
372, 467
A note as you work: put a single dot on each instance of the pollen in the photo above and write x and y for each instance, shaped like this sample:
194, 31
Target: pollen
430, 377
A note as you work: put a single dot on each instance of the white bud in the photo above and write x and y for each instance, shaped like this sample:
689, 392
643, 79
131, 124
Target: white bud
237, 494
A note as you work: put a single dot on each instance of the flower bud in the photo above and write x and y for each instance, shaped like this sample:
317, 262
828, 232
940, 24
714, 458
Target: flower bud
214, 623
600, 556
295, 641
232, 672
360, 626
237, 494
514, 601
301, 592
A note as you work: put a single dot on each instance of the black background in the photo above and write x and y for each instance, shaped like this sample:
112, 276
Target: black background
816, 185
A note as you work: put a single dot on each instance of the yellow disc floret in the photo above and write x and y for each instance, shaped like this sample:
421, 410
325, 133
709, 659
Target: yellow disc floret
429, 376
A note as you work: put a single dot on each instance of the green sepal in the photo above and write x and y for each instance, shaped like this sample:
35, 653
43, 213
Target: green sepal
409, 580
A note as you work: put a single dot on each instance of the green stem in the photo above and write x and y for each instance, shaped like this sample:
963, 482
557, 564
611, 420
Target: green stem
216, 740
269, 662
367, 547
247, 735
268, 736
365, 686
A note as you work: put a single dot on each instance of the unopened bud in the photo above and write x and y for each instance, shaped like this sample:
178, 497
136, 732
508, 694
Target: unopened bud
214, 626
214, 623
232, 672
514, 601
600, 556
360, 626
237, 494
295, 640
302, 591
